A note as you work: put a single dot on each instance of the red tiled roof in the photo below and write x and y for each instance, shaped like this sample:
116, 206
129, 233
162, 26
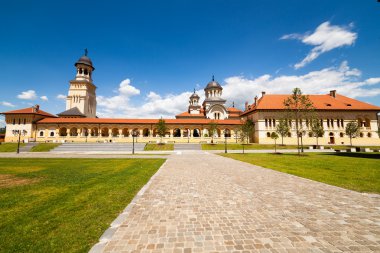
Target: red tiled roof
29, 110
320, 102
187, 114
134, 121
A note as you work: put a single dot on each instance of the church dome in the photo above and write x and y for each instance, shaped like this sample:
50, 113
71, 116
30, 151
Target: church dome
85, 60
194, 95
213, 84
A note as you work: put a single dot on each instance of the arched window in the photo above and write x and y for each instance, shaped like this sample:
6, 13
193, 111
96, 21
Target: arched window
51, 134
14, 121
361, 135
369, 135
266, 123
341, 135
268, 134
310, 134
177, 132
41, 133
19, 121
146, 132
85, 72
24, 121
289, 134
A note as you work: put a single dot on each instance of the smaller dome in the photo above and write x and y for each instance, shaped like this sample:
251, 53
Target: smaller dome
194, 95
213, 84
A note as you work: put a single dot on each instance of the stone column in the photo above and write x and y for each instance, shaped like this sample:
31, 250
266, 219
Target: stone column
120, 133
171, 133
109, 132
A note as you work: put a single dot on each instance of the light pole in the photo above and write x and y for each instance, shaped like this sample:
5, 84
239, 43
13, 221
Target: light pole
18, 132
134, 133
225, 141
188, 135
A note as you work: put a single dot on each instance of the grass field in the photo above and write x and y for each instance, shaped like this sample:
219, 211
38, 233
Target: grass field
9, 147
44, 147
233, 146
158, 147
355, 171
64, 205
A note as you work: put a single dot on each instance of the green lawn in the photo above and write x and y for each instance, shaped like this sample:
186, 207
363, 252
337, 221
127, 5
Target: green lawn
355, 171
44, 147
64, 205
233, 146
9, 147
158, 147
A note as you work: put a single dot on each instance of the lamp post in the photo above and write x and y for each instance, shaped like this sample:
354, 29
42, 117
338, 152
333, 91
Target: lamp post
134, 133
18, 132
188, 135
225, 141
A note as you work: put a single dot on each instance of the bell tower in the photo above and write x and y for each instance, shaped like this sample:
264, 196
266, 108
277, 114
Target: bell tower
194, 106
82, 90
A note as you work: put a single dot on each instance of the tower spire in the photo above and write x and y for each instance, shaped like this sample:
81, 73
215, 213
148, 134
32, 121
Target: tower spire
213, 79
85, 51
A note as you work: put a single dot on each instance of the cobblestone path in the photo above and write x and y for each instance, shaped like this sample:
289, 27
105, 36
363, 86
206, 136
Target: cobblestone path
206, 203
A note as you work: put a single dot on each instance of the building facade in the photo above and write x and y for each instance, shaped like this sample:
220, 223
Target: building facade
78, 123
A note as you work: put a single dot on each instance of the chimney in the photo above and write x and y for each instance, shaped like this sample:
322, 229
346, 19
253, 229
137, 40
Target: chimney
256, 100
262, 93
246, 106
333, 93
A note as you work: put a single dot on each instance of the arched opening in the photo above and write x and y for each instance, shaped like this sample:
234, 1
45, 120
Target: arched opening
227, 132
155, 134
289, 134
218, 133
196, 132
136, 132
177, 132
52, 134
332, 138
310, 134
115, 132
268, 134
146, 132
63, 131
41, 133
94, 131
85, 131
341, 135
73, 131
369, 135
361, 135
105, 132
367, 122
125, 132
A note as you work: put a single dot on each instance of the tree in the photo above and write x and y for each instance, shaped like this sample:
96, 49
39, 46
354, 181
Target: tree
212, 129
282, 129
298, 108
161, 128
352, 130
274, 137
317, 129
246, 130
378, 131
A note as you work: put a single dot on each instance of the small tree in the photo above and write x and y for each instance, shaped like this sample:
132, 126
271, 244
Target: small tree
298, 108
352, 130
282, 129
212, 128
274, 137
161, 128
246, 130
317, 129
378, 131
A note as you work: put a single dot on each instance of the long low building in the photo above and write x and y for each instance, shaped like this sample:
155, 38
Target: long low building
79, 123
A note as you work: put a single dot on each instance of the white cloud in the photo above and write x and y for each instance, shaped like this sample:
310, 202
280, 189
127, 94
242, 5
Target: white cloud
44, 98
27, 95
325, 38
239, 89
7, 104
61, 97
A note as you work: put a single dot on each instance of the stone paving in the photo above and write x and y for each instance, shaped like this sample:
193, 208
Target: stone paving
201, 202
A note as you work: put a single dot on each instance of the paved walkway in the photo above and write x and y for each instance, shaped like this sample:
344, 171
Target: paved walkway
206, 203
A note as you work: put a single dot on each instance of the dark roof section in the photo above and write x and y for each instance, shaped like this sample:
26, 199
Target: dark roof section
72, 112
85, 60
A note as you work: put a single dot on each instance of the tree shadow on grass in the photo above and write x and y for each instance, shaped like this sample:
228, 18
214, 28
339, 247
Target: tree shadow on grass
356, 155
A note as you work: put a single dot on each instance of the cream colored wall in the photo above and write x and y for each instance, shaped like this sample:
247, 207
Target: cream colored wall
261, 130
48, 128
28, 126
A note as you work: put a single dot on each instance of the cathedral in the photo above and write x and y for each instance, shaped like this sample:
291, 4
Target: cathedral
79, 123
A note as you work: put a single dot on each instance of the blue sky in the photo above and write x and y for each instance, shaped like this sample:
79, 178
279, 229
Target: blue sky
149, 55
